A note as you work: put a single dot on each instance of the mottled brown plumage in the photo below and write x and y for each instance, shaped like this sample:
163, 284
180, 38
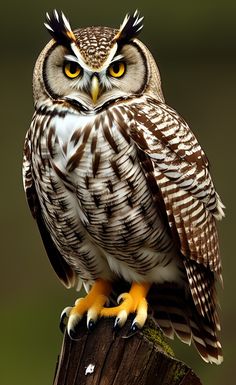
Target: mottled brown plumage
119, 185
94, 44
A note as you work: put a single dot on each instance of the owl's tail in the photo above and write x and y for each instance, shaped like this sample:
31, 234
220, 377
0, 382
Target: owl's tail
176, 313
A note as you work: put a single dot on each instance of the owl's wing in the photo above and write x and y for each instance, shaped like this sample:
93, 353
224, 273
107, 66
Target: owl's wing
192, 205
182, 173
63, 270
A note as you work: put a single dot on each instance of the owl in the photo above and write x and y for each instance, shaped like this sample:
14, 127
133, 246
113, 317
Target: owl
120, 188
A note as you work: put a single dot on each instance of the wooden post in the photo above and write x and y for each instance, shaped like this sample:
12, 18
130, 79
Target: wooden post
106, 357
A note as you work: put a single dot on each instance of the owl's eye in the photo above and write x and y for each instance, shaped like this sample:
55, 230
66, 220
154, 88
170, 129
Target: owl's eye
117, 69
72, 70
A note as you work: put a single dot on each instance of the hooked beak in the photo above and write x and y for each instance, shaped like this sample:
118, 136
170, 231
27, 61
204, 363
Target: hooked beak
94, 88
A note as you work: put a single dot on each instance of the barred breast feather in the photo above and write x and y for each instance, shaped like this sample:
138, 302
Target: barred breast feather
96, 202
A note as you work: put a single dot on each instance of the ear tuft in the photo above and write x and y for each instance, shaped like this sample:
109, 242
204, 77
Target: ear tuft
59, 27
130, 28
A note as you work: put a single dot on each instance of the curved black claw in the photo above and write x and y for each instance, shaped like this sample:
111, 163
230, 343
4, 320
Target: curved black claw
91, 324
73, 326
64, 319
73, 333
133, 330
117, 326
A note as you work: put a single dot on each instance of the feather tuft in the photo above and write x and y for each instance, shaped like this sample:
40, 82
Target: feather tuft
59, 27
130, 28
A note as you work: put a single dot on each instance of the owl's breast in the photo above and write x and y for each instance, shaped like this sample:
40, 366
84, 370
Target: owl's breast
101, 167
98, 200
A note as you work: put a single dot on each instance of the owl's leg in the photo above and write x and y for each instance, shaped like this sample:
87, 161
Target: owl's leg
132, 302
91, 304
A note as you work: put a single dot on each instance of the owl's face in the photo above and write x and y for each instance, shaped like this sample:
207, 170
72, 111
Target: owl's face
93, 66
68, 77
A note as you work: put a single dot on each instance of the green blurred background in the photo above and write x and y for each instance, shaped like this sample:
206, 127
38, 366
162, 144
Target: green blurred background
195, 46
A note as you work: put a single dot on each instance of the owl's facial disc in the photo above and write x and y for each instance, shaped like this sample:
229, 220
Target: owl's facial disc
68, 77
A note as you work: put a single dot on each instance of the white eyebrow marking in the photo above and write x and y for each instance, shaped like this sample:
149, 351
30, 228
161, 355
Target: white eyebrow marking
117, 58
71, 58
78, 58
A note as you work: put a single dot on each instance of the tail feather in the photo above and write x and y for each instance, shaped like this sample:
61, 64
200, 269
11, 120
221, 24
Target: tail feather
176, 313
201, 282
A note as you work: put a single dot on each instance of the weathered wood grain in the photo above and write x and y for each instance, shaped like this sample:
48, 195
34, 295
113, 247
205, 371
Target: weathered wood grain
106, 357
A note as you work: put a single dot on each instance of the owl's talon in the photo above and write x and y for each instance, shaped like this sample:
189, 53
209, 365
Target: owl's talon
91, 304
131, 332
135, 327
117, 326
72, 324
64, 318
62, 326
122, 317
121, 298
91, 324
72, 333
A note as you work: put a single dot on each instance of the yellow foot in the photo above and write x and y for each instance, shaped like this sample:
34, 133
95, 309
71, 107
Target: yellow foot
132, 302
91, 304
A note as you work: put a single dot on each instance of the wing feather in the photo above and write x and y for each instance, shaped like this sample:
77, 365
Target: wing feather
62, 269
175, 312
182, 173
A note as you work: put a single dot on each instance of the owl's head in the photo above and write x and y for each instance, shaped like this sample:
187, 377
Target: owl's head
91, 67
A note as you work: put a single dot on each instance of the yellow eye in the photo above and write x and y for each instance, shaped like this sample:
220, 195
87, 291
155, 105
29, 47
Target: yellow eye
117, 69
72, 69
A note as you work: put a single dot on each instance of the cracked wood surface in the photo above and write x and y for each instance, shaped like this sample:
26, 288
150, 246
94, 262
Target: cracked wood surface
105, 357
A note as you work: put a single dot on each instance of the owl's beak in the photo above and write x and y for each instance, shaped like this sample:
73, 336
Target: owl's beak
94, 88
